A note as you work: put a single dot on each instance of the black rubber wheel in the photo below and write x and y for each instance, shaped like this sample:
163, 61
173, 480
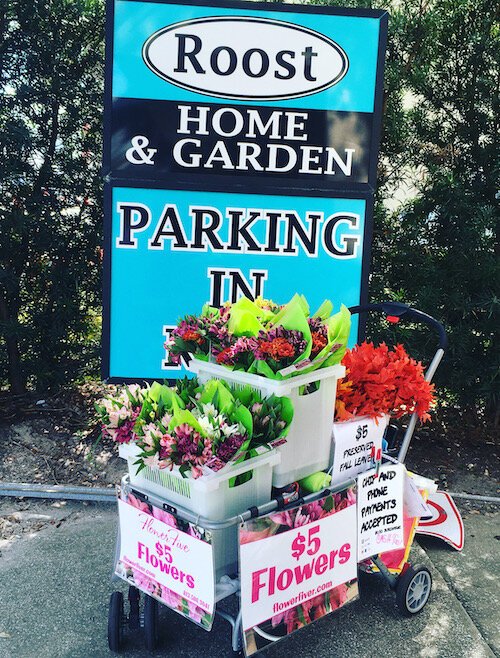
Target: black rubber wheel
151, 623
413, 589
134, 615
115, 622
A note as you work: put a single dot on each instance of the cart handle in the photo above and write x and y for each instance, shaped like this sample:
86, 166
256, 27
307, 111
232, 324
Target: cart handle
396, 311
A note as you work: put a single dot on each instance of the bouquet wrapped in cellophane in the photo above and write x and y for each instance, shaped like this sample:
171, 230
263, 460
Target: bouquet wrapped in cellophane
261, 337
198, 428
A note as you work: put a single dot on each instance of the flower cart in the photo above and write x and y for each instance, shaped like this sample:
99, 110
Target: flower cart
290, 560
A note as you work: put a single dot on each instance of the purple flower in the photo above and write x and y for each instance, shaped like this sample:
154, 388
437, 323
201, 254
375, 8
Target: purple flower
228, 448
187, 440
316, 324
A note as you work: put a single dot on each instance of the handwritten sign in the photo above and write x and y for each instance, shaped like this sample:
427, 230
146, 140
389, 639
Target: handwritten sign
354, 444
165, 562
380, 510
300, 563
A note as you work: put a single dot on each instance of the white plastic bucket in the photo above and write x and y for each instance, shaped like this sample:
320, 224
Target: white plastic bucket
308, 445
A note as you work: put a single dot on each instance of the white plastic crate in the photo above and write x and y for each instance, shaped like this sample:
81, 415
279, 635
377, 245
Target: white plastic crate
308, 445
209, 496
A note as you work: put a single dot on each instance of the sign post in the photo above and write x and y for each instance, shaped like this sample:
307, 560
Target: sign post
241, 144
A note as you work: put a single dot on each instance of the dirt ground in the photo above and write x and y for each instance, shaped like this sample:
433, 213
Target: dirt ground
56, 441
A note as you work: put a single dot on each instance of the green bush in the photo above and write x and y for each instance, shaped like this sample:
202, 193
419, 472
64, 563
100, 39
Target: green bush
51, 63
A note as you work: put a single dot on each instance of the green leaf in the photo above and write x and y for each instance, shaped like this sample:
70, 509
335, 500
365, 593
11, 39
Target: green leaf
181, 416
324, 311
242, 415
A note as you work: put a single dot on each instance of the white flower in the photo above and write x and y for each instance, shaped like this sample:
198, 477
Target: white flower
229, 430
123, 414
135, 391
210, 410
153, 461
114, 418
165, 421
123, 399
207, 426
108, 405
151, 432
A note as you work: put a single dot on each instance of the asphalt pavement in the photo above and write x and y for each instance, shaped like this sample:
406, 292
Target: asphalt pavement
55, 583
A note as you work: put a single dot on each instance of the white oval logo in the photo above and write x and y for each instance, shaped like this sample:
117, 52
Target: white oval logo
245, 58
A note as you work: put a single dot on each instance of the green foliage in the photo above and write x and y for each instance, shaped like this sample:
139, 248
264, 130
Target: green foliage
439, 249
436, 238
51, 68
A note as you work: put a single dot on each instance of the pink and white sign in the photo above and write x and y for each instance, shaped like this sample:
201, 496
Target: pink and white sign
292, 560
160, 554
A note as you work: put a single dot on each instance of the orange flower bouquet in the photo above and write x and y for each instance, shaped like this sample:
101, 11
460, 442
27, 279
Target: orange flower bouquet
382, 381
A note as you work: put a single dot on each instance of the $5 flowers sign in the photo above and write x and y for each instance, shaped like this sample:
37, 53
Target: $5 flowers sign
167, 558
297, 565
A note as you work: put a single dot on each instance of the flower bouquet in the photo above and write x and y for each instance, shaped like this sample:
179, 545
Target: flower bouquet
212, 432
281, 350
382, 381
118, 414
191, 423
201, 428
206, 434
263, 338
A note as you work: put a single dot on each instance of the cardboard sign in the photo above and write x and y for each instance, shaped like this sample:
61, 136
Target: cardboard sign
165, 562
240, 145
415, 504
355, 443
380, 510
296, 566
445, 521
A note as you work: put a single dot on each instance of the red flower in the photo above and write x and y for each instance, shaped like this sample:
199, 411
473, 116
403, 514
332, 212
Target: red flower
192, 336
380, 381
278, 348
225, 356
319, 342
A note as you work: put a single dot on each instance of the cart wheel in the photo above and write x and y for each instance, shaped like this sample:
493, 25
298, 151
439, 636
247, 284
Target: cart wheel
115, 622
413, 589
151, 623
134, 616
